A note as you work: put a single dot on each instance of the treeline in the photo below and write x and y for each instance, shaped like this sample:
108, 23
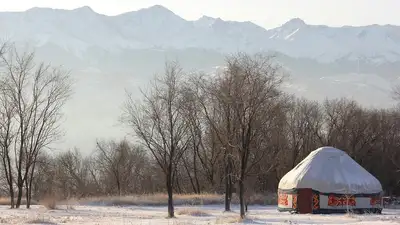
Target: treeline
231, 132
123, 168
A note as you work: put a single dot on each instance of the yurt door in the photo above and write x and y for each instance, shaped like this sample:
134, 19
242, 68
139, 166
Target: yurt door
304, 200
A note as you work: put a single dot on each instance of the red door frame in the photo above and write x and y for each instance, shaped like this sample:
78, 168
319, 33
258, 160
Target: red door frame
304, 200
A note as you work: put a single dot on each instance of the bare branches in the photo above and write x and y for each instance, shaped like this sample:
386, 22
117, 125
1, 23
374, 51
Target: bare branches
396, 93
33, 96
253, 100
191, 134
159, 123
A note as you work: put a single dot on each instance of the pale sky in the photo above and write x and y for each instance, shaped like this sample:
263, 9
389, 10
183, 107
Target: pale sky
267, 13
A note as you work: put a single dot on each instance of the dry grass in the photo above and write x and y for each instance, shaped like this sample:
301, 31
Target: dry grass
6, 201
179, 199
350, 214
235, 220
4, 220
155, 200
50, 202
177, 222
40, 221
161, 199
192, 212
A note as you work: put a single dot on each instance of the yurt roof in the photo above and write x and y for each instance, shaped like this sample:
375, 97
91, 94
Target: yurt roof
330, 170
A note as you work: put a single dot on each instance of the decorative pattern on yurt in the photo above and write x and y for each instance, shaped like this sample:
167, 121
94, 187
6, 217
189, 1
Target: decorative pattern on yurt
328, 180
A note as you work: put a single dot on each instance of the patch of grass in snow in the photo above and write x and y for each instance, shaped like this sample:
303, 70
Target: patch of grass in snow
290, 222
3, 220
175, 222
52, 202
154, 200
179, 199
228, 220
41, 221
235, 219
49, 202
192, 212
6, 201
351, 215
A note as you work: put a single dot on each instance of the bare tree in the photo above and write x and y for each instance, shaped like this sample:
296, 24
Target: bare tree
7, 135
192, 112
211, 96
396, 93
158, 122
118, 163
38, 93
207, 134
206, 148
210, 156
7, 132
303, 120
73, 171
110, 159
255, 103
390, 153
137, 166
45, 179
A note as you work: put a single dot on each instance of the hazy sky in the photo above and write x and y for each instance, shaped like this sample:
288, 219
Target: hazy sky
267, 13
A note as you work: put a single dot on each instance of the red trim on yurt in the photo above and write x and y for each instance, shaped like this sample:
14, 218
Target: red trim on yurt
294, 201
375, 201
283, 199
341, 200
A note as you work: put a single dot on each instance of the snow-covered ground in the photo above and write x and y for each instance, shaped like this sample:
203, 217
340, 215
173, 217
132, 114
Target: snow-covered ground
185, 215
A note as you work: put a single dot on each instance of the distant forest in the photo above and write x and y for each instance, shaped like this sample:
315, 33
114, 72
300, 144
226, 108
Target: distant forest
232, 132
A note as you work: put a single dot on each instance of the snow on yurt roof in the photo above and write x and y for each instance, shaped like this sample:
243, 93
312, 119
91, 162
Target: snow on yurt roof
330, 170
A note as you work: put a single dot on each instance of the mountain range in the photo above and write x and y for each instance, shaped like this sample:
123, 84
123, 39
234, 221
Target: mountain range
82, 29
108, 54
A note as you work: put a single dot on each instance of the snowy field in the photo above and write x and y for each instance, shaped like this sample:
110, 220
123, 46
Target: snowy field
190, 215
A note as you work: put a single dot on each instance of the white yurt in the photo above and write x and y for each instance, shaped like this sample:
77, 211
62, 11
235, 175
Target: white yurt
328, 180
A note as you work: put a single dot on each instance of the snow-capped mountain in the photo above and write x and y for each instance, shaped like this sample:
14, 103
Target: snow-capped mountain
375, 43
81, 29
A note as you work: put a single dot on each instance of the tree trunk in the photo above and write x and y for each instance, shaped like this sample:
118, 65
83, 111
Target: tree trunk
190, 177
195, 173
9, 178
170, 197
119, 187
12, 201
27, 192
243, 167
28, 197
228, 186
241, 198
227, 198
178, 184
29, 181
20, 187
11, 185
